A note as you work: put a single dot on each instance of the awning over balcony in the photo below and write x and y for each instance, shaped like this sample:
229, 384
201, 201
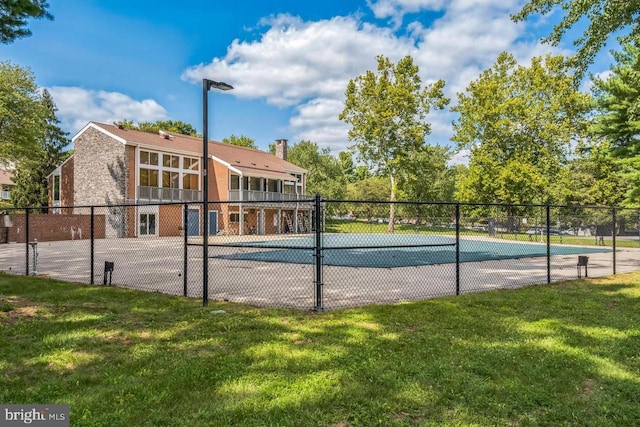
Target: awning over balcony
261, 173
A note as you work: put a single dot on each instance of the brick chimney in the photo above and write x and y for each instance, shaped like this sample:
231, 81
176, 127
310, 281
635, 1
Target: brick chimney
281, 149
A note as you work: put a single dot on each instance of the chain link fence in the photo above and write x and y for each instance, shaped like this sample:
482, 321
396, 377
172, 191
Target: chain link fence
319, 254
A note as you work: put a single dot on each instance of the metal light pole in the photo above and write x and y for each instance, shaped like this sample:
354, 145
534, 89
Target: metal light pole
206, 85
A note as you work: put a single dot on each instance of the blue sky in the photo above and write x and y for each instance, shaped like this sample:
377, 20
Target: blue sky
289, 61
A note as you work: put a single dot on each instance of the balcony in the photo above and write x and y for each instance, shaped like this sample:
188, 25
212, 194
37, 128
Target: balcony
156, 194
262, 196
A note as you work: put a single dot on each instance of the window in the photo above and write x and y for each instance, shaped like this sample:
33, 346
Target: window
148, 158
167, 171
190, 163
169, 161
56, 188
254, 184
190, 181
234, 217
170, 179
148, 178
235, 182
272, 185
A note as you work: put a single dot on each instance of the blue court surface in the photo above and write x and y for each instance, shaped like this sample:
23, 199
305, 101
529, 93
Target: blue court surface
402, 250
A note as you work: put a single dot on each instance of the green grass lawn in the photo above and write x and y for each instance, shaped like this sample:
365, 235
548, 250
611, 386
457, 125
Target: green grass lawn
564, 354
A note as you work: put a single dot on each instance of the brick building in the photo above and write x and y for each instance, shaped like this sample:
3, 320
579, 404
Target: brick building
115, 167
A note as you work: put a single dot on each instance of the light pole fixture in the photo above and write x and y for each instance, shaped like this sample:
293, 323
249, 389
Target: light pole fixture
206, 85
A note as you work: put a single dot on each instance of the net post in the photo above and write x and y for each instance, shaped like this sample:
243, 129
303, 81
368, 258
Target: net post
457, 248
185, 224
92, 229
318, 256
548, 226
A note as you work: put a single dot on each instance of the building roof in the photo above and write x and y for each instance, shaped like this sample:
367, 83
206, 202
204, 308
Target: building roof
5, 177
245, 161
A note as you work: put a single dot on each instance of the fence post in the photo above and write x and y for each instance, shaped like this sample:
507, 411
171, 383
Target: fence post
613, 231
185, 225
93, 245
318, 256
205, 248
26, 236
548, 207
457, 248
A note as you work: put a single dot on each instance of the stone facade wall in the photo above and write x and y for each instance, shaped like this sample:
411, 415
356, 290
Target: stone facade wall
100, 170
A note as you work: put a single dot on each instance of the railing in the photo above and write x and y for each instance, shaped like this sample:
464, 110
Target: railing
261, 196
168, 194
5, 195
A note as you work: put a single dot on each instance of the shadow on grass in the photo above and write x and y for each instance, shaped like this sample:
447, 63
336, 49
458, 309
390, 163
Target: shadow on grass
562, 354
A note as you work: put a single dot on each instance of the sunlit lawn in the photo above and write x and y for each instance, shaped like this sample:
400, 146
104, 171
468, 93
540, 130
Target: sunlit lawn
565, 354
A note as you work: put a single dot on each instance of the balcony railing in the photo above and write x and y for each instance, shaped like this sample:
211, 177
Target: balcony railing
262, 196
5, 195
168, 194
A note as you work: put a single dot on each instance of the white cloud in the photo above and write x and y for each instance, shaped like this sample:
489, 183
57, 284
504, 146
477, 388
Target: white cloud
78, 106
307, 64
396, 9
296, 60
317, 121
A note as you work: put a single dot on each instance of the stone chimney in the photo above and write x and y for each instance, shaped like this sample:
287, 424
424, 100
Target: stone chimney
281, 149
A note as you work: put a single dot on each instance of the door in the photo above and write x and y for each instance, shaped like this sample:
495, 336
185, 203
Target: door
213, 223
193, 222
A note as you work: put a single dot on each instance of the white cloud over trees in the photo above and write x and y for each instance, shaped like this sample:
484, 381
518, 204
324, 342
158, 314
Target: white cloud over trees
304, 66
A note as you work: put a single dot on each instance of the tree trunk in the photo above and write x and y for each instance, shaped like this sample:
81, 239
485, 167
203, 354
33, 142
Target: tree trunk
392, 205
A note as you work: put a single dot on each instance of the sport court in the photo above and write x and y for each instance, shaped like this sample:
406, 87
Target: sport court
393, 250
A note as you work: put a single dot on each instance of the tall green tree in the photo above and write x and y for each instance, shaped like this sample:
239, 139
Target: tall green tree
426, 178
618, 101
592, 177
241, 141
348, 167
14, 15
21, 113
387, 112
30, 177
618, 113
367, 191
518, 123
605, 18
175, 126
325, 174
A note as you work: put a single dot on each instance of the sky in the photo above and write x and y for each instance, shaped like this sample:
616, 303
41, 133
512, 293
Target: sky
289, 61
